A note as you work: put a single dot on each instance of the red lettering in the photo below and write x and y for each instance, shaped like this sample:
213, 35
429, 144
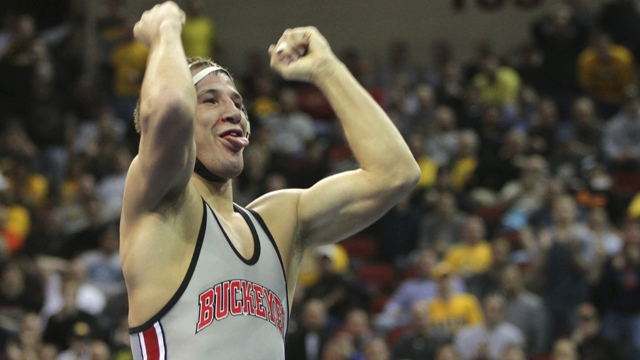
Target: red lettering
279, 314
206, 310
222, 300
272, 311
260, 310
236, 304
248, 304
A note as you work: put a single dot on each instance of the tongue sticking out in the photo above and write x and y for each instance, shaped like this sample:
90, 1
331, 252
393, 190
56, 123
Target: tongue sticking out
237, 141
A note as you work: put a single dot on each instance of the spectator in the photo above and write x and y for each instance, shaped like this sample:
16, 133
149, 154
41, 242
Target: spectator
357, 326
585, 128
420, 288
20, 293
308, 341
620, 284
449, 311
420, 120
419, 341
442, 227
128, 61
605, 72
488, 282
199, 36
465, 161
525, 310
563, 265
491, 338
473, 255
110, 188
560, 36
588, 336
331, 287
622, 136
428, 165
621, 19
290, 131
103, 264
498, 84
60, 325
441, 142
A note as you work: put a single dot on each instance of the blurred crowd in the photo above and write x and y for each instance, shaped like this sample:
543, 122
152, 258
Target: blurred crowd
521, 241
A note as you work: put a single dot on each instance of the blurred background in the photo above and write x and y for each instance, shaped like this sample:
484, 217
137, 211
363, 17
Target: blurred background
521, 240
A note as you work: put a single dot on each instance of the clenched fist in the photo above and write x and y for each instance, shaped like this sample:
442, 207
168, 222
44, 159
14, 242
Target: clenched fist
301, 54
161, 17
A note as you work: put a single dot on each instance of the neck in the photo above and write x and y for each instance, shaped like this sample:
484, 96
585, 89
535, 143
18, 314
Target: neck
202, 170
218, 195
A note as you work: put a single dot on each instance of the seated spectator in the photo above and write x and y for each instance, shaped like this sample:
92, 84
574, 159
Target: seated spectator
488, 282
423, 287
449, 311
441, 142
588, 336
418, 342
442, 227
465, 160
20, 293
522, 196
492, 337
331, 287
103, 264
473, 255
357, 326
621, 137
60, 326
308, 341
498, 84
290, 130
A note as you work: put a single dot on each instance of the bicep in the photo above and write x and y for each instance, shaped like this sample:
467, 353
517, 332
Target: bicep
341, 205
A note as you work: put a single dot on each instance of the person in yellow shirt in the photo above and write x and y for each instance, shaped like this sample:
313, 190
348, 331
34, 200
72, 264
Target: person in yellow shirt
128, 62
497, 84
199, 37
605, 71
473, 256
449, 311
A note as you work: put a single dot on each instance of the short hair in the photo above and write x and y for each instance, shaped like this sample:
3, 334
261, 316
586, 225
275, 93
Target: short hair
195, 63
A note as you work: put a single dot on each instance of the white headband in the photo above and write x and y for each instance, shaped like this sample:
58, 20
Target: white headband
204, 72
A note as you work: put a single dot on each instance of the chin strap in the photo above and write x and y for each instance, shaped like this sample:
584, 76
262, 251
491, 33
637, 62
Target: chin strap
201, 170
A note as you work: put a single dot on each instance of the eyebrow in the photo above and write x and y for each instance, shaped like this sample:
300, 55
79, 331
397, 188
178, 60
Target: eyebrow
234, 94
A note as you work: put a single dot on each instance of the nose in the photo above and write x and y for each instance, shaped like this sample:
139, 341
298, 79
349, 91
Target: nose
232, 114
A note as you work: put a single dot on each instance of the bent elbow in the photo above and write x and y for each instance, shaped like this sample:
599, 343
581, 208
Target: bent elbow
407, 176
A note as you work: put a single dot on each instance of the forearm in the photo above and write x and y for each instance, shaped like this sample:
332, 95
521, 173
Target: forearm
373, 138
167, 87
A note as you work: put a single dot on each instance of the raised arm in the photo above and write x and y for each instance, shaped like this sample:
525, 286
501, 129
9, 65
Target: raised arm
343, 204
166, 112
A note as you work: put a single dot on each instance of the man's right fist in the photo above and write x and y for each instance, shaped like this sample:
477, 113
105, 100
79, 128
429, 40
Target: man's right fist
167, 15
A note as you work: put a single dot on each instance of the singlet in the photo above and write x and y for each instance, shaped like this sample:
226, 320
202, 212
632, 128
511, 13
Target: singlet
227, 307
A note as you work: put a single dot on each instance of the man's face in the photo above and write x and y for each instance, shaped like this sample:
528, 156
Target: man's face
221, 126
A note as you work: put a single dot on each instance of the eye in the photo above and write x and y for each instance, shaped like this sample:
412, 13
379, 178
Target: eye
210, 100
